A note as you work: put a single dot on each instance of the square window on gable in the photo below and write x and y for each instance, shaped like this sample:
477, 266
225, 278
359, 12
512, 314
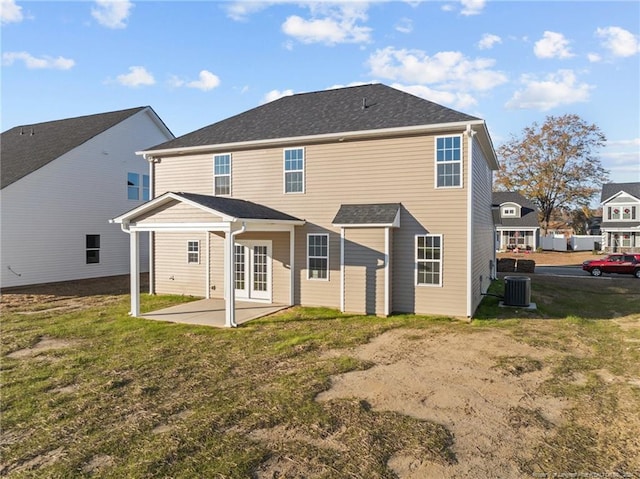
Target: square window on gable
448, 161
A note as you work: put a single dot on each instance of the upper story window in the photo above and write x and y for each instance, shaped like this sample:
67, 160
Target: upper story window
509, 211
222, 174
448, 161
137, 186
429, 260
622, 212
294, 170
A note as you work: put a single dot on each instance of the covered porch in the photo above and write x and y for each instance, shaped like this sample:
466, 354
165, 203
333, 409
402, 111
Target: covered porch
228, 219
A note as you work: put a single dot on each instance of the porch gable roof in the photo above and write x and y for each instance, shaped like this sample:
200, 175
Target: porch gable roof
382, 214
230, 209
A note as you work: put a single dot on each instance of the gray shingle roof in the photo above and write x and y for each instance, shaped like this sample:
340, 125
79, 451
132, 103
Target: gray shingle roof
367, 107
610, 189
384, 213
236, 208
529, 212
26, 148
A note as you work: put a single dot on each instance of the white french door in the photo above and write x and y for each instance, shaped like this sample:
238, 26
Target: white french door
252, 270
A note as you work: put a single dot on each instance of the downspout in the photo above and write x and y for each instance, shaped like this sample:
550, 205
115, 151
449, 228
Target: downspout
230, 312
152, 194
470, 134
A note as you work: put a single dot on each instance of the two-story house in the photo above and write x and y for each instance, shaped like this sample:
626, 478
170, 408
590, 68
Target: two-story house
366, 199
620, 225
516, 222
62, 181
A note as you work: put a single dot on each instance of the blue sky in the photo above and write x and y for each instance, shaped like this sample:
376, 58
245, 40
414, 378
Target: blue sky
196, 63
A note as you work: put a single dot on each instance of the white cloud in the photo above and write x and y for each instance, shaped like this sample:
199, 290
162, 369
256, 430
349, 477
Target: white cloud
112, 13
10, 12
206, 81
137, 76
33, 63
488, 40
560, 88
239, 11
330, 24
552, 45
594, 57
620, 42
458, 100
472, 7
276, 94
622, 158
405, 25
449, 71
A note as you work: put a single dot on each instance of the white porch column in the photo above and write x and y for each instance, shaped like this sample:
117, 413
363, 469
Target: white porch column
135, 273
229, 284
387, 271
292, 269
342, 269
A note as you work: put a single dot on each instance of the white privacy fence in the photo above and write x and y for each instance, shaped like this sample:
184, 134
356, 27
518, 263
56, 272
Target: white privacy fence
575, 243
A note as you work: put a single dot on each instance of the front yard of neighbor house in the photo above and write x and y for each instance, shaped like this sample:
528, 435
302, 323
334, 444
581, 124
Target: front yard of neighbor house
88, 391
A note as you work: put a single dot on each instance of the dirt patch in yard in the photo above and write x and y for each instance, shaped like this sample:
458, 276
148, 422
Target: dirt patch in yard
484, 391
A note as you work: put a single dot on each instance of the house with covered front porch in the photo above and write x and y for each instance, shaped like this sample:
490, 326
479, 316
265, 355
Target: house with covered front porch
620, 227
516, 222
365, 199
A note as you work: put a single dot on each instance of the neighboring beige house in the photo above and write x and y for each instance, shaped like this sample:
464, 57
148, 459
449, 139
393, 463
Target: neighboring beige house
365, 199
620, 225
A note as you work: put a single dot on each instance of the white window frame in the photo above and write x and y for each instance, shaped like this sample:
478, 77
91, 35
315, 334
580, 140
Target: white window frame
142, 191
196, 251
449, 162
310, 257
439, 261
226, 175
285, 171
509, 211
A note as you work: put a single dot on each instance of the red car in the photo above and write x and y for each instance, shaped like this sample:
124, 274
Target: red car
614, 263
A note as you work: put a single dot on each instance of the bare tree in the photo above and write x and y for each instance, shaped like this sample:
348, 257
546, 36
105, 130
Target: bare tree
554, 165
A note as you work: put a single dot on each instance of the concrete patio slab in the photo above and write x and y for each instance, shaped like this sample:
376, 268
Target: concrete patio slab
211, 312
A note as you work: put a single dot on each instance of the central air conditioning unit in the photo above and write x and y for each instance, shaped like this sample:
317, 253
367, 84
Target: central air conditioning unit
517, 291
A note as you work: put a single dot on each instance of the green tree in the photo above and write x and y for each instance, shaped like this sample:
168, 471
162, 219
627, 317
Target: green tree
555, 165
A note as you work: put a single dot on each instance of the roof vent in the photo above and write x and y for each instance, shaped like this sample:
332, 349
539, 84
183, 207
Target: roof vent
364, 103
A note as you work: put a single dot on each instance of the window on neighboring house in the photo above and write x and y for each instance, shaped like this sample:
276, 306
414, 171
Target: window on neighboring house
92, 245
318, 256
448, 161
628, 212
508, 211
294, 170
193, 252
137, 187
222, 174
429, 260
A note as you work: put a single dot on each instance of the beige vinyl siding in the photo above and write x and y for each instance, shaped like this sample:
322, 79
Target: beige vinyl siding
176, 211
364, 278
483, 250
370, 171
173, 274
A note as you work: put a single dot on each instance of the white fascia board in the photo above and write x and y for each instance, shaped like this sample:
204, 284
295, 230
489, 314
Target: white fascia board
340, 136
181, 227
632, 199
517, 228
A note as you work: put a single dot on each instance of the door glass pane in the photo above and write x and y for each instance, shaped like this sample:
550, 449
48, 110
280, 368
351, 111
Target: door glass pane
260, 268
239, 264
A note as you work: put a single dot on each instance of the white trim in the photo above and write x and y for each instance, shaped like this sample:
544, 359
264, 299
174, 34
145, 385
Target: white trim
134, 261
340, 136
189, 243
436, 163
415, 259
207, 267
470, 217
308, 258
292, 261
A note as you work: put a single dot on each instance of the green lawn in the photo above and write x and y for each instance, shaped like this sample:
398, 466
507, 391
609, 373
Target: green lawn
121, 397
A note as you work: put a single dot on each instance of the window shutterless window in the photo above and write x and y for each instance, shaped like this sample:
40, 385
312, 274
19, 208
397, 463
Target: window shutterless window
429, 260
222, 174
193, 252
448, 161
294, 170
92, 246
318, 256
137, 189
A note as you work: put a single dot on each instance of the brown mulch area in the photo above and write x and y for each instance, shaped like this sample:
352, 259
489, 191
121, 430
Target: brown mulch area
554, 258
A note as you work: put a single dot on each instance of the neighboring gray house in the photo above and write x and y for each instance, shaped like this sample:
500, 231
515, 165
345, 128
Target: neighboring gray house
620, 225
61, 183
365, 199
516, 222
